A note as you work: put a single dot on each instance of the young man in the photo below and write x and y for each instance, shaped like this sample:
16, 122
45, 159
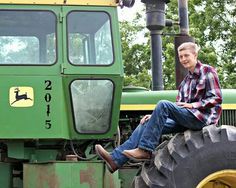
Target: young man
198, 104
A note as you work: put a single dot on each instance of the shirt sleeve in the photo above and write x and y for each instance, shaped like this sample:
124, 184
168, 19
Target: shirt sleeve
213, 94
179, 96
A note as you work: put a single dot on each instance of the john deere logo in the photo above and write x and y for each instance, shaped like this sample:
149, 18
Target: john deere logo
21, 96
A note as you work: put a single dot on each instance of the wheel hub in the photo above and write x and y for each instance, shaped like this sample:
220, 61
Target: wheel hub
220, 179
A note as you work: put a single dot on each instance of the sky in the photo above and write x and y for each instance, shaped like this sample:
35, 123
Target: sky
129, 13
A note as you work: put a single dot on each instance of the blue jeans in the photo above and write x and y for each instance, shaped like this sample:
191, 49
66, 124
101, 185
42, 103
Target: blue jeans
166, 118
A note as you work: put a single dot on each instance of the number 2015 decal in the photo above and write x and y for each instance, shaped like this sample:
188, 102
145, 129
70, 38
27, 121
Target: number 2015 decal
48, 99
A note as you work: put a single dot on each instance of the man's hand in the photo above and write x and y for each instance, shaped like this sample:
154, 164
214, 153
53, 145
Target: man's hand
184, 105
144, 119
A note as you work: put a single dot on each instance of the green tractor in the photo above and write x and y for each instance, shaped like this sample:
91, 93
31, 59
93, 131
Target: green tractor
61, 93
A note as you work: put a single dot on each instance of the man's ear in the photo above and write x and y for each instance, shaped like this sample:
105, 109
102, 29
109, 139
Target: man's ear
195, 54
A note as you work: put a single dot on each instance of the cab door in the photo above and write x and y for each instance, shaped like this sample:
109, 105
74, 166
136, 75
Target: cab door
92, 69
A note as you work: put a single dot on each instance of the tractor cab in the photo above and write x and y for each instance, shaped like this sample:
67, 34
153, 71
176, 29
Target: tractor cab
61, 65
61, 83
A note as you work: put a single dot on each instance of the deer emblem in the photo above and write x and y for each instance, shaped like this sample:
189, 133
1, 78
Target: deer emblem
20, 97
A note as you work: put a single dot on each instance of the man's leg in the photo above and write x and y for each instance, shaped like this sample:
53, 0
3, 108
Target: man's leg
152, 133
117, 154
116, 159
172, 127
163, 111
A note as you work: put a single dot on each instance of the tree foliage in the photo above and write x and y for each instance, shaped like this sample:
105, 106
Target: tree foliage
212, 24
136, 52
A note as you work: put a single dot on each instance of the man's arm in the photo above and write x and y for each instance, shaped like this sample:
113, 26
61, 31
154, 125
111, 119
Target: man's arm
213, 92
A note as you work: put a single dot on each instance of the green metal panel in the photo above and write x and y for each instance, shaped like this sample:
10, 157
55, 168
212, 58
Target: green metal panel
64, 175
126, 176
6, 175
17, 150
229, 96
152, 97
147, 97
112, 180
46, 118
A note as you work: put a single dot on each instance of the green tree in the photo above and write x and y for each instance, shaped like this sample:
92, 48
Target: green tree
212, 24
136, 55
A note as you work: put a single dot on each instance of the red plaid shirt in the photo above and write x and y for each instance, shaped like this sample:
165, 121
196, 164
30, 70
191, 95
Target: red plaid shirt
202, 89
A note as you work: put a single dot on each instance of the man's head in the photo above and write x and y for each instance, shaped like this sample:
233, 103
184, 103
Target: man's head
188, 53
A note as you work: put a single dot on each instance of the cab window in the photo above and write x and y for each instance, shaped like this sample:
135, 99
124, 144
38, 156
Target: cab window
27, 37
89, 44
92, 105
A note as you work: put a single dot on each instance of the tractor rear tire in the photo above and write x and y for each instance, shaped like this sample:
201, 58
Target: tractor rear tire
189, 157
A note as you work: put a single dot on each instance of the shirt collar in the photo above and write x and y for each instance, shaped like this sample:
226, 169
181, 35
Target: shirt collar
196, 69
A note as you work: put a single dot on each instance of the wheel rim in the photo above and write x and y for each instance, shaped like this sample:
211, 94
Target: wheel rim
220, 179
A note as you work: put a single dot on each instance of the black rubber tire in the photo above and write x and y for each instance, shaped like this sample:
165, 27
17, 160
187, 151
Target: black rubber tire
189, 157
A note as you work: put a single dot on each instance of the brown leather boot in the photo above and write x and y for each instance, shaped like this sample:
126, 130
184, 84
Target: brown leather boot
138, 154
103, 154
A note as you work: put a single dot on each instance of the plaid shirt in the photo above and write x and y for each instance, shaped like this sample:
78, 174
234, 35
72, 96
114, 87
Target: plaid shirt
202, 89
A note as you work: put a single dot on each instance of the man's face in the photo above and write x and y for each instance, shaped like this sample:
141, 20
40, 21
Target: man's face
188, 59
